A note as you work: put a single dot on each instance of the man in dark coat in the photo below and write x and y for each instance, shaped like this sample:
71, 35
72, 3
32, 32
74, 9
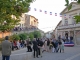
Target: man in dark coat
40, 45
35, 48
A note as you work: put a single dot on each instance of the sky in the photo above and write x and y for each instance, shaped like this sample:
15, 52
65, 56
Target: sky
47, 22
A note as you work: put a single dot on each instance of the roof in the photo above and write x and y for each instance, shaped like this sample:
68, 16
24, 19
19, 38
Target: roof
58, 23
34, 17
69, 5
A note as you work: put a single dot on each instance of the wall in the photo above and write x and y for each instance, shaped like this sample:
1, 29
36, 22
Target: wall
22, 21
4, 34
69, 15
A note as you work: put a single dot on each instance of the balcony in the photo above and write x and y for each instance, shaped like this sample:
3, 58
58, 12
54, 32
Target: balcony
68, 26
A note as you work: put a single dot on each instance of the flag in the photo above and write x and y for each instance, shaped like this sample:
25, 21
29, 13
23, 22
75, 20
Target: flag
69, 16
40, 10
50, 13
60, 15
45, 12
29, 8
35, 9
55, 14
65, 15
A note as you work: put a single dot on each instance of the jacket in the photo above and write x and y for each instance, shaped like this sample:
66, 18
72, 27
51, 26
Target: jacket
6, 48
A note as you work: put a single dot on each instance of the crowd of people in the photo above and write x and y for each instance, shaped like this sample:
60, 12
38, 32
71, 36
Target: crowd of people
48, 45
23, 29
37, 46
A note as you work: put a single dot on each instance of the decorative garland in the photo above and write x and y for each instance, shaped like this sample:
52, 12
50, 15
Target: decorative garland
46, 12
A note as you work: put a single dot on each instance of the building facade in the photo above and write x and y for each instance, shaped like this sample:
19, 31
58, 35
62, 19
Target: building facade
69, 26
22, 21
56, 31
31, 21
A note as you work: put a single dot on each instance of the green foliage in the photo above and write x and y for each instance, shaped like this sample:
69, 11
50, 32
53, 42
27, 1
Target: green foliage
69, 7
78, 1
23, 36
15, 37
9, 8
37, 34
31, 36
77, 18
1, 39
67, 2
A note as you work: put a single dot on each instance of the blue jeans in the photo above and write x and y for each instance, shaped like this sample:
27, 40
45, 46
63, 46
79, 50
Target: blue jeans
5, 57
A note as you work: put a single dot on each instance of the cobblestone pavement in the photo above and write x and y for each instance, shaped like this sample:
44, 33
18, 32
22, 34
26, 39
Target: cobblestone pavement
71, 53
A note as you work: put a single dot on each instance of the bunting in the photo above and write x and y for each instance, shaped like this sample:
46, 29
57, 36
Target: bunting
69, 16
60, 15
65, 15
35, 9
40, 10
45, 12
50, 13
55, 14
29, 8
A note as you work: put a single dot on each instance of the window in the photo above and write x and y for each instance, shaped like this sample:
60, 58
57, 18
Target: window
66, 22
73, 22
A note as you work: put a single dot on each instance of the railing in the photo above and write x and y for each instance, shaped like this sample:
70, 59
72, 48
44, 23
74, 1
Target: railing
68, 26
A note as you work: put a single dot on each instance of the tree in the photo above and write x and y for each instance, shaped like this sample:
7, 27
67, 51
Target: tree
67, 2
77, 18
31, 36
9, 8
23, 36
15, 37
37, 34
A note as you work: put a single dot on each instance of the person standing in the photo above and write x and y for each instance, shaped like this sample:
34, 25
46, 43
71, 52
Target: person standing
35, 48
6, 49
48, 43
29, 45
62, 46
40, 46
45, 45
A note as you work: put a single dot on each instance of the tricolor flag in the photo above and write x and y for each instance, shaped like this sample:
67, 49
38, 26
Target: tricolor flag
40, 10
45, 12
55, 14
50, 13
60, 15
69, 16
35, 9
65, 15
29, 8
